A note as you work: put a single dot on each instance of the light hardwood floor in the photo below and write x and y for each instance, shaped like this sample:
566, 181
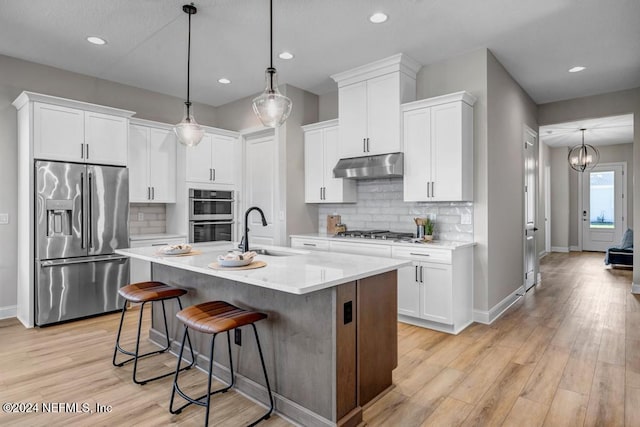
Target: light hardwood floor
566, 354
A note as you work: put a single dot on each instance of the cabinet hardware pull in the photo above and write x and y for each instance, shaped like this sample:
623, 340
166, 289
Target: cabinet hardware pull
421, 281
148, 193
153, 193
309, 244
214, 174
368, 145
416, 273
87, 151
411, 253
324, 193
159, 244
82, 151
320, 193
433, 189
428, 185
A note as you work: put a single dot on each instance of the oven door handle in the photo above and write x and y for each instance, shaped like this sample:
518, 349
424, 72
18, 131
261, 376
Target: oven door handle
210, 223
211, 200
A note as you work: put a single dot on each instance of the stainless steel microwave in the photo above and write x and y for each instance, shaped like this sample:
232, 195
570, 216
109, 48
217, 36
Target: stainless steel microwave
210, 205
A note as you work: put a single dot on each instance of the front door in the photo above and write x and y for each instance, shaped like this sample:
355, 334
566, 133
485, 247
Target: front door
530, 174
604, 208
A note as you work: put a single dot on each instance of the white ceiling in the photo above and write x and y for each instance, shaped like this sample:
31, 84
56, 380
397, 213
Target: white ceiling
537, 41
600, 131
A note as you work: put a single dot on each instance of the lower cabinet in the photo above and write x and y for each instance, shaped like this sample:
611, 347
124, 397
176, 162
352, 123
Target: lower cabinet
425, 291
140, 271
309, 244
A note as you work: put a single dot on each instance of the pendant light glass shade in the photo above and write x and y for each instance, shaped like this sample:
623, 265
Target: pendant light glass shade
188, 131
272, 107
584, 156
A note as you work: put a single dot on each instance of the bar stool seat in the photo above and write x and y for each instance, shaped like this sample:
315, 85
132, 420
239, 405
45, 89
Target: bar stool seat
148, 292
212, 318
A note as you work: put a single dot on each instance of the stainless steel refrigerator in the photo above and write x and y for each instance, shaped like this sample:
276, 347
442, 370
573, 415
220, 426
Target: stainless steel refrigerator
82, 216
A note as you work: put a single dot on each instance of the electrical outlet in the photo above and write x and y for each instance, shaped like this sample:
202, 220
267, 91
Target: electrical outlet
348, 312
140, 216
237, 336
4, 218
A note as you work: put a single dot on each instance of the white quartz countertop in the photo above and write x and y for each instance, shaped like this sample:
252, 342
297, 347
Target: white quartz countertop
301, 273
139, 237
436, 244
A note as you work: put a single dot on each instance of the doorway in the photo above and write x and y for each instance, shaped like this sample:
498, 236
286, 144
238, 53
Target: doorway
260, 187
603, 213
530, 207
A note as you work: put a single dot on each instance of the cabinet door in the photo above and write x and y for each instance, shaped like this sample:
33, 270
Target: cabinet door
437, 293
334, 188
106, 138
58, 133
199, 161
352, 110
313, 166
138, 164
417, 158
409, 290
162, 165
383, 114
223, 162
446, 152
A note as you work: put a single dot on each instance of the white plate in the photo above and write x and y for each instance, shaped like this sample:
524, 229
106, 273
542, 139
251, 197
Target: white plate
234, 262
176, 250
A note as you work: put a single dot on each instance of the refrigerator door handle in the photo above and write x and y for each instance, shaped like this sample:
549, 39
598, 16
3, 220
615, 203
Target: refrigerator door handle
83, 244
82, 260
90, 219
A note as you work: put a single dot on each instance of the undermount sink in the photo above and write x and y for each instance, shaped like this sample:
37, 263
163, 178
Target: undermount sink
270, 252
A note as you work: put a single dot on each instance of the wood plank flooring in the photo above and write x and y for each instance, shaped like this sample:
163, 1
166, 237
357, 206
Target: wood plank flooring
567, 354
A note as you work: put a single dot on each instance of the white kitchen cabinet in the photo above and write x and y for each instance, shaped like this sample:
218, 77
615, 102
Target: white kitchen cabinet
321, 142
438, 148
74, 134
213, 160
436, 290
140, 271
152, 162
358, 248
369, 99
310, 244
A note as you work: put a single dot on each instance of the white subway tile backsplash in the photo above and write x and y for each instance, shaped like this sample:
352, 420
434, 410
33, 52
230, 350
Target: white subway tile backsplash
154, 221
380, 205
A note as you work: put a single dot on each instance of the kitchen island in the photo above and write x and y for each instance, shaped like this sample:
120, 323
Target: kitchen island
330, 341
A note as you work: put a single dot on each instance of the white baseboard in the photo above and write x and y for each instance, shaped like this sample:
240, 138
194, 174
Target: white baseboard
574, 249
635, 288
8, 311
488, 317
542, 254
559, 249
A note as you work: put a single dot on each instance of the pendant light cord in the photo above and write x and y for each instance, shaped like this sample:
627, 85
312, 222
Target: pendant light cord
271, 31
188, 103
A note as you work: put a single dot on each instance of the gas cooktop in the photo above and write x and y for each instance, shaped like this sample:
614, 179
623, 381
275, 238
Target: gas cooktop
376, 234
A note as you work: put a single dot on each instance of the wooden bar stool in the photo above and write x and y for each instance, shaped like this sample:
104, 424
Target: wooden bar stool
145, 292
213, 318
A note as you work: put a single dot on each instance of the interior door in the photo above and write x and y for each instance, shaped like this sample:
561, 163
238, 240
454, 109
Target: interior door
530, 192
261, 180
603, 207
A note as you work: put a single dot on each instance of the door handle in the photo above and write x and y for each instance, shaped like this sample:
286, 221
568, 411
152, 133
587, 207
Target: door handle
535, 228
82, 242
90, 225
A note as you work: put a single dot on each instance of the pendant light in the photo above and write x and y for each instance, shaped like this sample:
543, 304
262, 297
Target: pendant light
188, 131
271, 107
583, 157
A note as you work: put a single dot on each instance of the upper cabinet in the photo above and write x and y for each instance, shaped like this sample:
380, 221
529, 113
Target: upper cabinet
74, 131
152, 162
438, 148
369, 99
212, 161
321, 141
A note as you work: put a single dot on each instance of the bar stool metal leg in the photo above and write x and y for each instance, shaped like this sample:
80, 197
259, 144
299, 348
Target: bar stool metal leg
266, 378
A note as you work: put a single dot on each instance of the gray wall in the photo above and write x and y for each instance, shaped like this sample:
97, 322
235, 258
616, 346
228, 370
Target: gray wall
18, 75
510, 109
543, 161
328, 106
608, 104
559, 198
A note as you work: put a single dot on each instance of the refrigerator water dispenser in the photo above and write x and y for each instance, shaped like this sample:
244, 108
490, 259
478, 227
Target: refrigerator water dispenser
59, 216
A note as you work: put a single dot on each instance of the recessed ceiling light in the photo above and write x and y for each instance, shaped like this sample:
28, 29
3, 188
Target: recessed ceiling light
576, 69
378, 18
285, 55
224, 81
96, 40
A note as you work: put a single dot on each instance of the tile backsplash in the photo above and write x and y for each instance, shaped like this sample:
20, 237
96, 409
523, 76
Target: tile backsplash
154, 218
380, 205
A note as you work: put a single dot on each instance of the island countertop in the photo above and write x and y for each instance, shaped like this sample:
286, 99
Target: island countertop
299, 272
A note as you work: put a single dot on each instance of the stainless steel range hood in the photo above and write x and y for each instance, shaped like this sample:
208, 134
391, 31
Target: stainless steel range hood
381, 166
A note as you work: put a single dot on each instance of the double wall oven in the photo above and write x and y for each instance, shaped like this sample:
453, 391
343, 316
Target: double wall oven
210, 215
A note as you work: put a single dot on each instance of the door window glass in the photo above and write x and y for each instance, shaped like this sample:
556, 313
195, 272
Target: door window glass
602, 199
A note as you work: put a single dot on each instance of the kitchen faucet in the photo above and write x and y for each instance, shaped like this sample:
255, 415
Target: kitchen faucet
244, 244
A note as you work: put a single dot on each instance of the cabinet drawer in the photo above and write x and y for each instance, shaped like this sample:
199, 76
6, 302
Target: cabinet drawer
158, 242
442, 256
310, 244
361, 248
